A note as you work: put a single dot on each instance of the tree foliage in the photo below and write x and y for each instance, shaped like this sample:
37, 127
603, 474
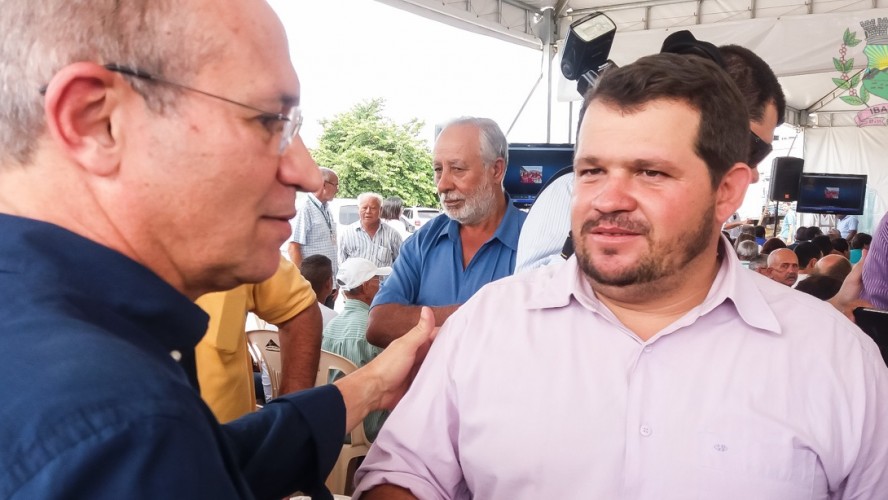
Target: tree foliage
372, 153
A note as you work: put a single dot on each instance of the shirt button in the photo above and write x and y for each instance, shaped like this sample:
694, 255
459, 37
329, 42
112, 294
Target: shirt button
176, 355
645, 430
648, 348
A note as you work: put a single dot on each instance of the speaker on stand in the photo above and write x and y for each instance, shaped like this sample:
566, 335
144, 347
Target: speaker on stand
786, 173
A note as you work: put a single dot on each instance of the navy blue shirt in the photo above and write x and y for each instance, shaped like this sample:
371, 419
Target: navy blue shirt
97, 398
429, 270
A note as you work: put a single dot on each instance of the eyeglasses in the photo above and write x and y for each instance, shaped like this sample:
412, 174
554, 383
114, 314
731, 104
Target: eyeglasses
758, 149
334, 184
291, 119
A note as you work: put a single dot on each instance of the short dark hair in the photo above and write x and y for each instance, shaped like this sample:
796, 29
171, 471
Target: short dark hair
840, 245
723, 131
801, 233
391, 208
759, 231
773, 244
805, 252
318, 270
757, 82
819, 285
823, 243
860, 240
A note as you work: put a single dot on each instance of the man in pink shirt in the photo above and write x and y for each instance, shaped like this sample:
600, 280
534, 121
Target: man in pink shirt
650, 365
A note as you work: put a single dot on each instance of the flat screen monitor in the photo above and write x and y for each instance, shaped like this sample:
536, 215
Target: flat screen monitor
831, 194
530, 166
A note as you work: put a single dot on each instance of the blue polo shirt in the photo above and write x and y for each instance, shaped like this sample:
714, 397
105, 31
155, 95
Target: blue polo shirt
98, 397
429, 271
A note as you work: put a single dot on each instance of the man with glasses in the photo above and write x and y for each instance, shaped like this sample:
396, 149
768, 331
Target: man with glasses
149, 154
314, 230
542, 239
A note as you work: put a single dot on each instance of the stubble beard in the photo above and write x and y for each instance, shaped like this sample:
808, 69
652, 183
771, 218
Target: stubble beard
664, 259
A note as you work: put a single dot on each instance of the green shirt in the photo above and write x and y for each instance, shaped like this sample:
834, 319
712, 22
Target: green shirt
346, 335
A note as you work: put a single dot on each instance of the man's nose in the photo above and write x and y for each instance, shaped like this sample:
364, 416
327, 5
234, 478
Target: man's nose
444, 182
614, 194
297, 168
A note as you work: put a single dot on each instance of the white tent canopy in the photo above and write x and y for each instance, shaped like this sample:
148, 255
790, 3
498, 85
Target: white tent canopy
801, 41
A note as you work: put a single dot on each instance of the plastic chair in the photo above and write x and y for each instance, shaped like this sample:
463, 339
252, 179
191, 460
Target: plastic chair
267, 345
339, 479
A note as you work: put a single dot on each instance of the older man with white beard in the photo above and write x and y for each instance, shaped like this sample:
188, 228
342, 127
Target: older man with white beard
452, 256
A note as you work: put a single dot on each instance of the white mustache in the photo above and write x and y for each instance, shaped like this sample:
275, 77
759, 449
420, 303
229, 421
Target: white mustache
448, 197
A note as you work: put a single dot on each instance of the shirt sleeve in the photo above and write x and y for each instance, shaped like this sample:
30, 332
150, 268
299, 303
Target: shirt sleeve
301, 225
171, 448
867, 477
156, 456
397, 241
283, 296
343, 243
546, 227
402, 286
291, 444
417, 447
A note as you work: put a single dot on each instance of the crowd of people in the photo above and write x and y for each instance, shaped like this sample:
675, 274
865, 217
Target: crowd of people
814, 263
147, 181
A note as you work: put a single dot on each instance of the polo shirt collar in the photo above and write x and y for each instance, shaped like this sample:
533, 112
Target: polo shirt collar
507, 232
734, 286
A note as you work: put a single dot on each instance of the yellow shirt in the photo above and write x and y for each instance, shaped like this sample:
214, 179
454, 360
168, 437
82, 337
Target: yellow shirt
224, 368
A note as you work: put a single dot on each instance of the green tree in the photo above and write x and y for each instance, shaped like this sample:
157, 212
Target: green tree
372, 153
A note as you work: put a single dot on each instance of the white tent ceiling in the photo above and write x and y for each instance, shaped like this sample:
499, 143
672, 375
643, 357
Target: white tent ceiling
798, 38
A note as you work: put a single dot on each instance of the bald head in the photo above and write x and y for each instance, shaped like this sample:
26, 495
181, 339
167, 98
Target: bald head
330, 186
784, 266
834, 266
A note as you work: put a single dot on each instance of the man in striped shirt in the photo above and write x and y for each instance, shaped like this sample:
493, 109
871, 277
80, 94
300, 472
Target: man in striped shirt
368, 238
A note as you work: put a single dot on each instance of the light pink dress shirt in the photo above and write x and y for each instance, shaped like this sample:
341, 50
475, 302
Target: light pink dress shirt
533, 390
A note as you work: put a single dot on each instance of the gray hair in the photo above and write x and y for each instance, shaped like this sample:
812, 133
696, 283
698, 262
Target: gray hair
493, 141
327, 173
40, 37
364, 196
747, 250
758, 262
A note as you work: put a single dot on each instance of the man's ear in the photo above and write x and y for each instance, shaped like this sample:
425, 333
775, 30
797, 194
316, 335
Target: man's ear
731, 190
499, 169
79, 102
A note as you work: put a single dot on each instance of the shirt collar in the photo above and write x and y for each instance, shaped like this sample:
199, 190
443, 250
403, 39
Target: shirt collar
355, 304
733, 286
507, 232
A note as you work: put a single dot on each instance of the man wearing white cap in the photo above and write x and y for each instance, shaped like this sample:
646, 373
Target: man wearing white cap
346, 334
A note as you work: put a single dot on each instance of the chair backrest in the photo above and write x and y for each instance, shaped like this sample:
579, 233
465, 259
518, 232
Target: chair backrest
267, 344
329, 364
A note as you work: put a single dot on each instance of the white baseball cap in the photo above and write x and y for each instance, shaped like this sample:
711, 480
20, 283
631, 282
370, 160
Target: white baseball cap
355, 271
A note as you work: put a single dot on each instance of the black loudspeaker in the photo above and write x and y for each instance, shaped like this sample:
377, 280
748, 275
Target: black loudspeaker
786, 172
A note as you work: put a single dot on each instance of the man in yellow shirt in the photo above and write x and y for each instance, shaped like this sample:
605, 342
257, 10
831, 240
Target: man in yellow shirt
224, 368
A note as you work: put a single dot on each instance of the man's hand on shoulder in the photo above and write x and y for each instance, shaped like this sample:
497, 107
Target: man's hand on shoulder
381, 383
